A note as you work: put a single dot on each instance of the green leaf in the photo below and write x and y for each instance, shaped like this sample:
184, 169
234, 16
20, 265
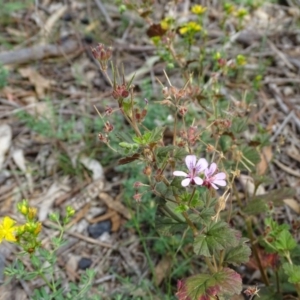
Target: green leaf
168, 227
179, 153
181, 208
204, 217
277, 196
237, 255
225, 143
250, 158
284, 241
127, 107
224, 283
293, 272
239, 125
256, 206
162, 152
217, 237
157, 134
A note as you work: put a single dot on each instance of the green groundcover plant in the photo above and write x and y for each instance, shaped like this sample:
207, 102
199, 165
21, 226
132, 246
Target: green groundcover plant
192, 174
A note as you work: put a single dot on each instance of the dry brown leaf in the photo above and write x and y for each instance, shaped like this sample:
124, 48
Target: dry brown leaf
293, 204
293, 153
162, 269
265, 156
49, 24
41, 84
115, 205
115, 221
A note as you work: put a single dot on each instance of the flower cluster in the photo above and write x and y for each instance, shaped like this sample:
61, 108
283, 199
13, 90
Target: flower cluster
201, 174
190, 28
25, 235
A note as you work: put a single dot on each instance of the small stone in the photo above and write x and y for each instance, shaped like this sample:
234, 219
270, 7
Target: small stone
98, 229
84, 263
288, 91
67, 17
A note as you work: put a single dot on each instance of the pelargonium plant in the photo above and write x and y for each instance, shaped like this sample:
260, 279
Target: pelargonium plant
194, 198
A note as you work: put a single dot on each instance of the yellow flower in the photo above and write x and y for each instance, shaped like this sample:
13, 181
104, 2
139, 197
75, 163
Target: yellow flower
229, 8
38, 228
198, 9
241, 60
32, 213
7, 230
166, 23
241, 13
191, 27
23, 207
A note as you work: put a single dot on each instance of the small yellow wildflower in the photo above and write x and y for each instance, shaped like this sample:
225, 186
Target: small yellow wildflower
166, 23
7, 230
38, 228
198, 9
229, 8
191, 27
241, 13
23, 207
241, 60
70, 211
32, 213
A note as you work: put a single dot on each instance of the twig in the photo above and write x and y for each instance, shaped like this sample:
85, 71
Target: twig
278, 131
38, 52
105, 14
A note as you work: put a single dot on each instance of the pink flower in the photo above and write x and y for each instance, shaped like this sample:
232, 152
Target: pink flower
214, 180
194, 168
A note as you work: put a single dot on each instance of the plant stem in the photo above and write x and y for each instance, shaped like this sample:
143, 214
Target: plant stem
255, 252
192, 195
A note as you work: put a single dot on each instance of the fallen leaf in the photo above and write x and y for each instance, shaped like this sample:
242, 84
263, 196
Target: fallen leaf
293, 204
49, 24
41, 84
265, 158
162, 269
94, 166
5, 141
19, 159
248, 185
115, 205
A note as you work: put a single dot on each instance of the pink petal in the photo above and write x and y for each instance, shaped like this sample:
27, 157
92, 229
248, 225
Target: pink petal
186, 182
180, 173
220, 182
214, 186
221, 175
211, 170
202, 164
198, 180
190, 161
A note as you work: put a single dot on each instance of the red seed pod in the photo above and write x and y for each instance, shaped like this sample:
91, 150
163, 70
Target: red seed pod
108, 127
182, 110
108, 110
147, 171
103, 138
137, 197
102, 53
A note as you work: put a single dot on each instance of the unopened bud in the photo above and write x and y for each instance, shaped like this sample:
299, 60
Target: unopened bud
137, 184
182, 110
137, 197
108, 110
108, 127
103, 138
147, 171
